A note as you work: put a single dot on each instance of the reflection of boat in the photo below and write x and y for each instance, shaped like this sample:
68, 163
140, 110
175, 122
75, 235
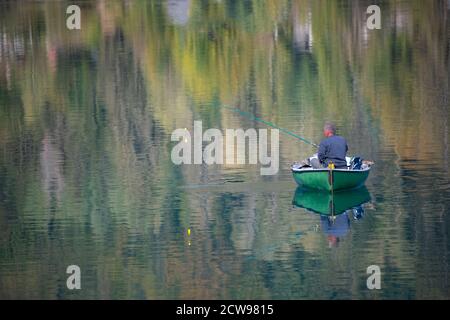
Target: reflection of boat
326, 203
326, 179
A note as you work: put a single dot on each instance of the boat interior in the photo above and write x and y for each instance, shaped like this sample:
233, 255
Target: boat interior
353, 163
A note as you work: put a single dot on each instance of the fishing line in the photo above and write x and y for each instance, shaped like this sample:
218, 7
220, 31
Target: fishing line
268, 123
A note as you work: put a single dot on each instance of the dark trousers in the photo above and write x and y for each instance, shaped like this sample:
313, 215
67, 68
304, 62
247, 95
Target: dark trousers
315, 163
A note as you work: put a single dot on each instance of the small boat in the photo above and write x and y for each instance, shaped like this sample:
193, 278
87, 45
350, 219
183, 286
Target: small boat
326, 203
331, 179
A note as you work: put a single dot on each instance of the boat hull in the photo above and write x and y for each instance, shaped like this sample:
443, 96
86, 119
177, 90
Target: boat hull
330, 180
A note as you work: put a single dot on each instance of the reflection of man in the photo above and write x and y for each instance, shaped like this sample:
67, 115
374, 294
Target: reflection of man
332, 149
336, 228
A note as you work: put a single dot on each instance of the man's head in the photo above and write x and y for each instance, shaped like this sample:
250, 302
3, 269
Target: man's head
333, 241
329, 129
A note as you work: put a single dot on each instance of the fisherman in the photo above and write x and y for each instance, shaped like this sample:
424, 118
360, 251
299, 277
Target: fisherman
332, 149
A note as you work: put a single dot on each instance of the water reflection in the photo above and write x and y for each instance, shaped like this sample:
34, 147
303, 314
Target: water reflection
330, 204
336, 209
178, 11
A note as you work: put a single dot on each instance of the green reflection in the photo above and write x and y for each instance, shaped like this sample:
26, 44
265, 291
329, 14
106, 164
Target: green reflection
326, 203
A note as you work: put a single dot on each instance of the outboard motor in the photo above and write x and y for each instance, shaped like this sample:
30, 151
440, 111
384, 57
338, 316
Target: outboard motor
356, 163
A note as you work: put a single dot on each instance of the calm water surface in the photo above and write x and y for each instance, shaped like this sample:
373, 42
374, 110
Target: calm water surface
85, 171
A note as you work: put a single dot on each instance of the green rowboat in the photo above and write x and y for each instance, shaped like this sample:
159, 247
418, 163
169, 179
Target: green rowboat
330, 179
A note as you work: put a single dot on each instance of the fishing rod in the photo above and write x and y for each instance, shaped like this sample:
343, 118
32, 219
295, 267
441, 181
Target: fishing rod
270, 124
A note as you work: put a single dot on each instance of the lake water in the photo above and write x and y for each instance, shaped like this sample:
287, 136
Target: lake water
86, 176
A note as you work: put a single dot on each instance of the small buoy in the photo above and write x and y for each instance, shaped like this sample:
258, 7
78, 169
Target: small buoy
189, 232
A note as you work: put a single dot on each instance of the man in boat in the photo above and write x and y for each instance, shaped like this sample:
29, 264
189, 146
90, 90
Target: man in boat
332, 149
